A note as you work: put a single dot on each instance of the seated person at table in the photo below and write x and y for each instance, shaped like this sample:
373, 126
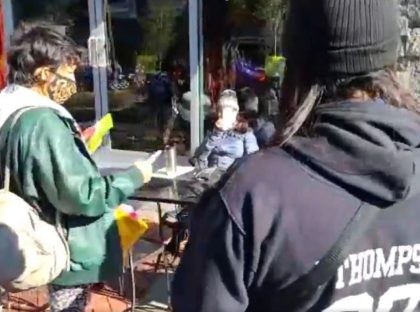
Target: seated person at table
252, 111
230, 138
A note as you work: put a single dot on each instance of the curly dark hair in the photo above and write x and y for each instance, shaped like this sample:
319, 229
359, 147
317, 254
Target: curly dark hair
38, 44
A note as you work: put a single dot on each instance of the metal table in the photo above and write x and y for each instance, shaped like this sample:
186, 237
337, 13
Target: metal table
183, 191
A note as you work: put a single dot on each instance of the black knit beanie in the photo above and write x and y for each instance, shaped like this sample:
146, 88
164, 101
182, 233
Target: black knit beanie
342, 38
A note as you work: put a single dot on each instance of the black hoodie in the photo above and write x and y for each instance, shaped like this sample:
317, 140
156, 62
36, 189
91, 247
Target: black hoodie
278, 213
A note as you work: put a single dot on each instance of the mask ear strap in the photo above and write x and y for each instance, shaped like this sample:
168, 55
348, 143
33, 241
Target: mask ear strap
37, 78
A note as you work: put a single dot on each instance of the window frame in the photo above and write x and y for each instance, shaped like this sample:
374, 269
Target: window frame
99, 61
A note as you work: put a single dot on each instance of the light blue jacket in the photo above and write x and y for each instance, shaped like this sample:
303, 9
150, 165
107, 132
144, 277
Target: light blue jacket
221, 148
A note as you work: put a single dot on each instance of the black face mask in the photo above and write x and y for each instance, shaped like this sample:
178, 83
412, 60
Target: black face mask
61, 88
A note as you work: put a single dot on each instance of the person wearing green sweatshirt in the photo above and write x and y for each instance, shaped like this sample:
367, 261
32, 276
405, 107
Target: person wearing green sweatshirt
51, 167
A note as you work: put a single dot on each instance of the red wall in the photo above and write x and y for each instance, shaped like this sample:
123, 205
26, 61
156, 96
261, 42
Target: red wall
2, 51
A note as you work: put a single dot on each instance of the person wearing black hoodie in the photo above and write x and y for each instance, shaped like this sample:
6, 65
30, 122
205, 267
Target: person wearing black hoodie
352, 143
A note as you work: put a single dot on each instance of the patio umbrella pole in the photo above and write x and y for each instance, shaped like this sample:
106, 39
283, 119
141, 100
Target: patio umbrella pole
170, 125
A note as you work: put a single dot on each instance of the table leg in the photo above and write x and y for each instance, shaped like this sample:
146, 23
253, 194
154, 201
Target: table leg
133, 281
121, 282
165, 264
164, 255
159, 206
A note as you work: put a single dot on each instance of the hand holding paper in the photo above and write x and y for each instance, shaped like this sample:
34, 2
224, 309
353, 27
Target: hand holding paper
146, 166
95, 134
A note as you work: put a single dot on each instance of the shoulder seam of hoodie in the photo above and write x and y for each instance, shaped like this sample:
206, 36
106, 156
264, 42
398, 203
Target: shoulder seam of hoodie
232, 217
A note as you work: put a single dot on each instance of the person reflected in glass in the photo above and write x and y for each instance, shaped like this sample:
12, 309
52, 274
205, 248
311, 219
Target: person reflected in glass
256, 116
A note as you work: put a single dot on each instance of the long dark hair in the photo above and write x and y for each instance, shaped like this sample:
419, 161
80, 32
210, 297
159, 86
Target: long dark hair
301, 92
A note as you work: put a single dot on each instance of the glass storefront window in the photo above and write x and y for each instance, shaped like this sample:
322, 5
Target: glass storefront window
148, 79
149, 73
71, 17
241, 49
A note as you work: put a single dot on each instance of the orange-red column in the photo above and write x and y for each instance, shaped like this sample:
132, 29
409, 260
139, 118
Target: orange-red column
2, 50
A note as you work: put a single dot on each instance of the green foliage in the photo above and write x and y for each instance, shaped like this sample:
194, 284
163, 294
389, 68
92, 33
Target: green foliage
158, 30
54, 11
267, 10
270, 10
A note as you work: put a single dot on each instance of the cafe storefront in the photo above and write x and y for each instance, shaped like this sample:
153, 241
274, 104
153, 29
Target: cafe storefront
137, 48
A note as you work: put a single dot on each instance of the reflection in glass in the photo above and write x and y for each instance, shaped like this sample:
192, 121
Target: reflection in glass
72, 18
242, 51
149, 73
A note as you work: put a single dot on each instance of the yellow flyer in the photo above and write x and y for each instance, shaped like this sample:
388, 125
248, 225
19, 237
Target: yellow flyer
131, 226
101, 129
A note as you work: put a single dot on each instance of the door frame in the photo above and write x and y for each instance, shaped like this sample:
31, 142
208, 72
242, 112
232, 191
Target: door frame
98, 56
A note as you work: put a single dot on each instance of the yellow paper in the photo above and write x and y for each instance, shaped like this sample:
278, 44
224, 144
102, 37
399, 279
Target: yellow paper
102, 127
130, 229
